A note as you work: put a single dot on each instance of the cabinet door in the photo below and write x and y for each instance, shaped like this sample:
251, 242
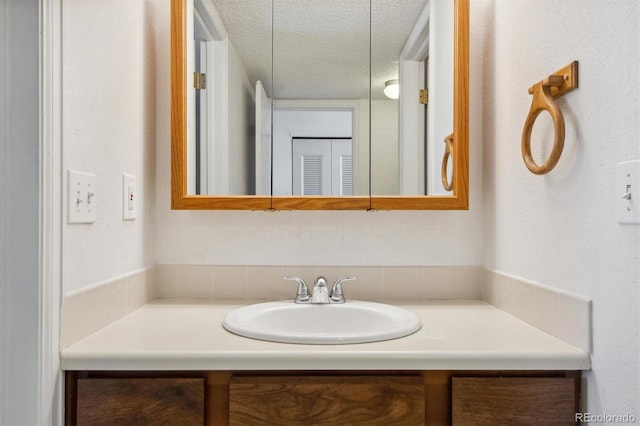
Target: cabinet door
140, 401
513, 401
339, 400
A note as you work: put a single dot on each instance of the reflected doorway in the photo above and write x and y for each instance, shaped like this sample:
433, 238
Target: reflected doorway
322, 166
316, 150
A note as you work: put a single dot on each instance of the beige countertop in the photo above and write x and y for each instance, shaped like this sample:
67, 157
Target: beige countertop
187, 335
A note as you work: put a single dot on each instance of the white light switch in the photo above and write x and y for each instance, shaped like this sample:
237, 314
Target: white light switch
628, 192
81, 197
129, 197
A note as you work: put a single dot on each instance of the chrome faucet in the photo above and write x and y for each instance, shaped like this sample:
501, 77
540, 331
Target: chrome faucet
321, 293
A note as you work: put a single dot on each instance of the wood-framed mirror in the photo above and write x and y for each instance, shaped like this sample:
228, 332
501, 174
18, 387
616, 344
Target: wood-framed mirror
370, 189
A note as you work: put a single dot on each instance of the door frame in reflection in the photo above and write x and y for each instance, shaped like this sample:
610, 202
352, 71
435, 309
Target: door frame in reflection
359, 133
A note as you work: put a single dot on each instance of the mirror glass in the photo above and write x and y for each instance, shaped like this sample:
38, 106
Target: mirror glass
321, 97
281, 104
412, 61
229, 51
288, 97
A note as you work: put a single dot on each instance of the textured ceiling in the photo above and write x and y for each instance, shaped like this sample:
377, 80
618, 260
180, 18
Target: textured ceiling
320, 47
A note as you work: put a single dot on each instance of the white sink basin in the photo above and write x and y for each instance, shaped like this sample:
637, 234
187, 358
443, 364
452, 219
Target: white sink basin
330, 324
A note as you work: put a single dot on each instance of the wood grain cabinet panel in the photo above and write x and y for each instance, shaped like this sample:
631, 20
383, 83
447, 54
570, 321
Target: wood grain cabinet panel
320, 400
518, 401
140, 401
290, 398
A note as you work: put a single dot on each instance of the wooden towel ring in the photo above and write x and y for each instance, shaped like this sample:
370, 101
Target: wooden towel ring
543, 101
448, 152
544, 94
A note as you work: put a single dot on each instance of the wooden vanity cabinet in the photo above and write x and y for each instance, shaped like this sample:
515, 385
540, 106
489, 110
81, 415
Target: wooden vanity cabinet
465, 398
326, 400
134, 399
521, 401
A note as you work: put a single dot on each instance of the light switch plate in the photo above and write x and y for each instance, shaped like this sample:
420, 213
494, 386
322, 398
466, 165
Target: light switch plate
81, 197
129, 197
628, 192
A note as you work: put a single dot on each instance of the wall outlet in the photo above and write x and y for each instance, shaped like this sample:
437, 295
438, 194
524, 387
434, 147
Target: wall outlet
129, 197
81, 197
628, 192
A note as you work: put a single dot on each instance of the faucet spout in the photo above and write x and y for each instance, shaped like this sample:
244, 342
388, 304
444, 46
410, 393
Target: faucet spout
320, 291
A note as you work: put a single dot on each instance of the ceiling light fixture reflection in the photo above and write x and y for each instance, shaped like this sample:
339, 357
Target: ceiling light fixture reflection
392, 89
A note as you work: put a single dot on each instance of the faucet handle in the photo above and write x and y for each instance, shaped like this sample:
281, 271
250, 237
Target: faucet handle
302, 296
336, 290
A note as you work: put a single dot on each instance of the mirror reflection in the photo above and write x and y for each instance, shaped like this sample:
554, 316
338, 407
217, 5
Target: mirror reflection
229, 110
407, 134
321, 91
294, 98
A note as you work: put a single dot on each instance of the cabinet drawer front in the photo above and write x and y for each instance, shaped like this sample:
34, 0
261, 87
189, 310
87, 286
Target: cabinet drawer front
513, 401
140, 401
295, 400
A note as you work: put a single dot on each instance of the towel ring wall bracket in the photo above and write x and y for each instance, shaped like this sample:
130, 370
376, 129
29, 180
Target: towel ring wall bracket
569, 74
544, 94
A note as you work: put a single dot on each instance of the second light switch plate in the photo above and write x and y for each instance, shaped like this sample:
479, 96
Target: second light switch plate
129, 197
628, 192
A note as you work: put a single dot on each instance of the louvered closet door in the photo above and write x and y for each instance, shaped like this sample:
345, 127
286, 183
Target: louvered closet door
322, 167
341, 167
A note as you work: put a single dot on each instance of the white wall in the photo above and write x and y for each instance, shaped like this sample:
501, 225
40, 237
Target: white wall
308, 237
384, 147
560, 229
242, 113
109, 106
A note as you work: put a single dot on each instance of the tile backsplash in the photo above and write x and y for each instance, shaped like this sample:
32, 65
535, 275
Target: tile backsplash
562, 314
373, 283
88, 310
559, 313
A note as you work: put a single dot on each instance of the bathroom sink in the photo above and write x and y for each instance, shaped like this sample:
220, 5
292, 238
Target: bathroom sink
324, 324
